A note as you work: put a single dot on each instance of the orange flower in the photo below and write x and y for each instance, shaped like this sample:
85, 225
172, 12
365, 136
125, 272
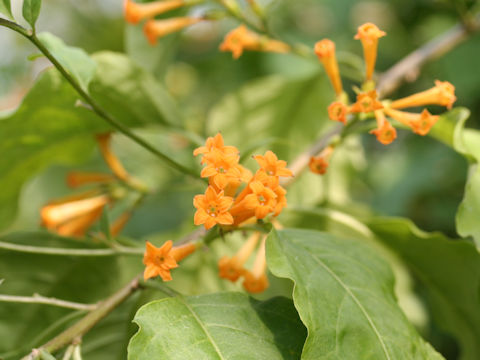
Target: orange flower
78, 226
215, 144
443, 93
212, 208
256, 281
319, 164
281, 200
385, 132
154, 29
272, 166
222, 170
241, 38
338, 111
369, 34
259, 203
79, 178
232, 268
325, 50
120, 223
159, 261
366, 102
112, 161
420, 123
134, 12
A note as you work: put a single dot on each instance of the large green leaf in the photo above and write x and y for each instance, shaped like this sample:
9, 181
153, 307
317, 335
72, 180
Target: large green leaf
344, 295
449, 272
5, 8
75, 60
79, 279
217, 326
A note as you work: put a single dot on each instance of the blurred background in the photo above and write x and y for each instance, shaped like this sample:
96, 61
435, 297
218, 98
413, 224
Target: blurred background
267, 95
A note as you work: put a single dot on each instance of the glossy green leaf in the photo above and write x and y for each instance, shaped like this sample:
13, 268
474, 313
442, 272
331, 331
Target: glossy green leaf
449, 125
344, 295
31, 10
6, 8
448, 270
75, 60
217, 326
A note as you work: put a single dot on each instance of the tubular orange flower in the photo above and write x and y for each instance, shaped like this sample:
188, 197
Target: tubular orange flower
366, 102
325, 50
212, 208
120, 223
259, 203
272, 166
232, 268
338, 111
79, 178
78, 226
443, 93
241, 38
385, 132
256, 281
319, 164
222, 169
369, 34
215, 144
56, 214
420, 123
134, 12
155, 29
112, 161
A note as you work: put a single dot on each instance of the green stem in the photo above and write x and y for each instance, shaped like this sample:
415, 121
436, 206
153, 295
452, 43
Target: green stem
38, 299
94, 105
118, 250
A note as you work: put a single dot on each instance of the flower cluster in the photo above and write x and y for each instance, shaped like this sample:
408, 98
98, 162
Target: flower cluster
241, 38
154, 29
367, 102
73, 215
261, 196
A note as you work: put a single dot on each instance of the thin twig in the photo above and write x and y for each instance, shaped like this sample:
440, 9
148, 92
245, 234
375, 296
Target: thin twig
118, 250
86, 323
39, 299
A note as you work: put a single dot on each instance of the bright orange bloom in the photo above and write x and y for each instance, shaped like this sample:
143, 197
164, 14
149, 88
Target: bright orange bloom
241, 38
135, 12
79, 178
420, 123
110, 158
369, 34
256, 281
155, 29
366, 102
222, 170
259, 203
325, 50
338, 111
384, 132
159, 261
215, 144
272, 166
443, 93
319, 164
281, 200
212, 208
78, 226
232, 268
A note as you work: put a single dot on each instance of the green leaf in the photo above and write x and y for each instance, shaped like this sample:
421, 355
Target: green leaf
449, 125
118, 78
31, 10
6, 9
449, 272
75, 60
217, 326
344, 295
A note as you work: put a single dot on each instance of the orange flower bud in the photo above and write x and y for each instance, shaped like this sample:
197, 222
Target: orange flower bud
366, 102
135, 12
384, 132
369, 34
419, 123
155, 29
78, 226
443, 94
325, 50
112, 161
338, 111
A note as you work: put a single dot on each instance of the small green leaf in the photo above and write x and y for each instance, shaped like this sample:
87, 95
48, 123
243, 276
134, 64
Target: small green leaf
217, 326
31, 10
75, 60
449, 272
6, 9
344, 295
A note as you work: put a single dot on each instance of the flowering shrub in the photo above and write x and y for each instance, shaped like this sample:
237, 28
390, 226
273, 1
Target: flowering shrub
172, 152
